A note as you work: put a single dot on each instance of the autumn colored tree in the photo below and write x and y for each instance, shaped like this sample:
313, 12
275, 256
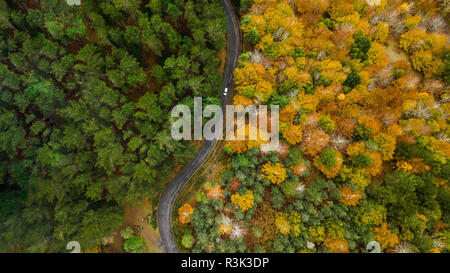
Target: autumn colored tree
329, 162
276, 173
184, 213
282, 223
336, 245
234, 185
386, 144
301, 169
385, 236
382, 32
357, 177
214, 192
350, 197
264, 220
294, 220
423, 61
364, 158
242, 100
314, 140
312, 6
327, 123
243, 201
369, 214
316, 233
237, 146
293, 134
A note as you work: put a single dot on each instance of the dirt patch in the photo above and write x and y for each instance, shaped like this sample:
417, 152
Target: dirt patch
136, 217
394, 53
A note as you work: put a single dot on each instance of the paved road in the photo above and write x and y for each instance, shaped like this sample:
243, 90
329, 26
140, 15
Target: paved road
167, 201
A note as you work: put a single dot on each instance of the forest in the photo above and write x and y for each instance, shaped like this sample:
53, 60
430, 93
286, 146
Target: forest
85, 99
364, 122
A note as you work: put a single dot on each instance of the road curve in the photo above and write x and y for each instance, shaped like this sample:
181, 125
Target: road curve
167, 200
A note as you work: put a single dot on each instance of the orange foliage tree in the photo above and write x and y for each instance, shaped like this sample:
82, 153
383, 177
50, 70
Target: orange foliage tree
385, 236
244, 201
184, 213
242, 100
237, 146
293, 134
215, 192
312, 6
350, 197
314, 140
336, 245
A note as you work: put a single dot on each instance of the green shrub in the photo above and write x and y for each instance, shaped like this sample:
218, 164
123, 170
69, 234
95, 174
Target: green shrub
134, 244
352, 80
362, 160
328, 158
362, 132
327, 123
187, 241
360, 47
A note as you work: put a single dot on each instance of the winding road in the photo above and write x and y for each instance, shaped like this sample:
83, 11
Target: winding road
167, 200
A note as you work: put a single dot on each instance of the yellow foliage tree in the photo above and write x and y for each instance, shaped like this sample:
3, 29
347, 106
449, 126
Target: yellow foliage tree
336, 245
386, 146
224, 229
417, 165
242, 100
413, 40
312, 6
382, 32
282, 223
370, 122
372, 215
333, 70
294, 220
385, 236
226, 225
316, 233
412, 21
97, 249
341, 8
377, 55
244, 201
275, 173
299, 78
357, 177
293, 134
424, 62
